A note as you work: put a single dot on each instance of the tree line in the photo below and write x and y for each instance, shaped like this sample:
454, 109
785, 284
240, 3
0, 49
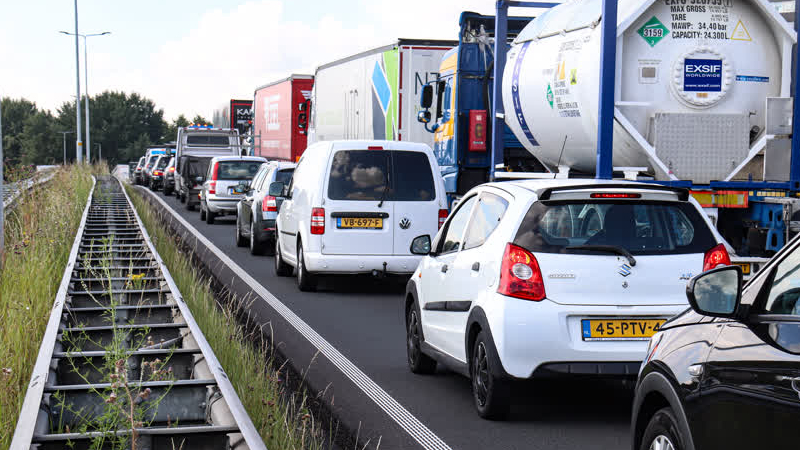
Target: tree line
123, 124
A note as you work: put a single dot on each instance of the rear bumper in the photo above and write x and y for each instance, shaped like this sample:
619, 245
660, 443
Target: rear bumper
355, 264
265, 230
221, 205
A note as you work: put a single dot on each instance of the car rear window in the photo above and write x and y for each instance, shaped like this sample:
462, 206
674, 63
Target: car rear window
284, 175
162, 163
642, 228
152, 161
208, 139
367, 174
238, 170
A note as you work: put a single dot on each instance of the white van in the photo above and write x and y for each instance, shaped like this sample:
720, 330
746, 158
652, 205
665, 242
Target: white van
355, 207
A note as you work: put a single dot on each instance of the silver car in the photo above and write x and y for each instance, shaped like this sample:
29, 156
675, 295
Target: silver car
225, 183
257, 211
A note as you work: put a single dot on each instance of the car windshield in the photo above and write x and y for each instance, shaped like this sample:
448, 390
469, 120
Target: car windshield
208, 139
364, 175
284, 175
238, 170
641, 228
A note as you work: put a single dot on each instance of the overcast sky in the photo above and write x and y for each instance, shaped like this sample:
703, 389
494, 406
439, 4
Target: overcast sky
192, 56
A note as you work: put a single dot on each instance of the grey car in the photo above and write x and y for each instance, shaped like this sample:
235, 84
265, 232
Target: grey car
257, 211
225, 183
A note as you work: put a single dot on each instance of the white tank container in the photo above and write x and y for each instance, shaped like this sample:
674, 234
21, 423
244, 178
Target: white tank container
691, 79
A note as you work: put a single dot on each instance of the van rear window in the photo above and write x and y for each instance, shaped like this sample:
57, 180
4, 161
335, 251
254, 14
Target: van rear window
642, 228
238, 170
284, 175
376, 174
208, 139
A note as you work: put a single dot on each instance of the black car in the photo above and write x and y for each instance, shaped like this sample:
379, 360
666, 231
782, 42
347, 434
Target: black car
157, 172
726, 372
168, 185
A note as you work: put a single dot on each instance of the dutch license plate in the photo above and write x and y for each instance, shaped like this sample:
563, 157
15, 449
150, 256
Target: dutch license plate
611, 329
359, 222
745, 267
233, 191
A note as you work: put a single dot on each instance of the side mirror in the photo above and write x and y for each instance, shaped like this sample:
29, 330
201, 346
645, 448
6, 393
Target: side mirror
421, 245
716, 293
424, 116
426, 97
276, 189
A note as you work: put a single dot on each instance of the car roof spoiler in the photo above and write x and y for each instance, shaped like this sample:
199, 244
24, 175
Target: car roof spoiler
682, 193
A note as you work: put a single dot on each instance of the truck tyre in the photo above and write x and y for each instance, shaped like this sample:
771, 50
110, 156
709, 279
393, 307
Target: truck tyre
182, 197
491, 395
418, 362
282, 268
240, 241
305, 280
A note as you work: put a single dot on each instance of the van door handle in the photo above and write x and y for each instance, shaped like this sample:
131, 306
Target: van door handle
476, 266
444, 268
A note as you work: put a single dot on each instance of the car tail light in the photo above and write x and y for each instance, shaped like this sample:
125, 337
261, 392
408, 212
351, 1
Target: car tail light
442, 217
615, 195
318, 221
271, 205
171, 169
212, 185
716, 257
520, 276
157, 172
374, 147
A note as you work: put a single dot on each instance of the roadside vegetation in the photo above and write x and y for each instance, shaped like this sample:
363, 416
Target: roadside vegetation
282, 417
39, 232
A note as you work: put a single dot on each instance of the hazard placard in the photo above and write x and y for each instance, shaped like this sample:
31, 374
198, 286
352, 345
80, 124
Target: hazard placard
740, 33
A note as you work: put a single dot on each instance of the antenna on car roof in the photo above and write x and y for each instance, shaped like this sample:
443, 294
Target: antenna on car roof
555, 174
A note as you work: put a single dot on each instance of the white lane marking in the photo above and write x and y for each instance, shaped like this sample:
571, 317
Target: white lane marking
416, 429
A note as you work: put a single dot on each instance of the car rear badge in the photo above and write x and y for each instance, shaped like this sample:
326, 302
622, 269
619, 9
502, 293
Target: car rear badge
624, 270
405, 223
625, 284
561, 276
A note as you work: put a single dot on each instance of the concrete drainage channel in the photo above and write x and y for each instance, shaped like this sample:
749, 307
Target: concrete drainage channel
123, 363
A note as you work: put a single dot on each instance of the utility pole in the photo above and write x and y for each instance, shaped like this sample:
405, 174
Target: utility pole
64, 140
79, 142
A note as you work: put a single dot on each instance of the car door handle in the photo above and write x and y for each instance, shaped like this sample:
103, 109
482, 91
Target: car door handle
476, 266
444, 268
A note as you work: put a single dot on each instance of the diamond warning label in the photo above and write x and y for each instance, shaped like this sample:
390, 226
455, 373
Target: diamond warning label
653, 31
740, 33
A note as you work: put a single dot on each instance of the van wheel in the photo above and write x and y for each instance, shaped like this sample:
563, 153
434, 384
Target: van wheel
662, 432
305, 281
282, 269
492, 395
240, 241
210, 215
256, 247
418, 362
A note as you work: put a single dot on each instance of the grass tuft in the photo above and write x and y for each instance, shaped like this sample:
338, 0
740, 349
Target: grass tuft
39, 232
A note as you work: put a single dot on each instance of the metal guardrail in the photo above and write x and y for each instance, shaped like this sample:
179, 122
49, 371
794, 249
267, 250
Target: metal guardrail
123, 363
13, 191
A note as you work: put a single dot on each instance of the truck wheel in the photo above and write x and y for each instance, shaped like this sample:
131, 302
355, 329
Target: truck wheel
305, 280
182, 197
492, 396
418, 362
282, 269
240, 242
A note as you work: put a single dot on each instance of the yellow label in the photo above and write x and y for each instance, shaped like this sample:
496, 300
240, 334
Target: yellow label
740, 33
360, 222
620, 328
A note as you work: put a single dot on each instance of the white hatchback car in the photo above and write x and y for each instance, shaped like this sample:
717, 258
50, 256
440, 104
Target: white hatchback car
355, 207
547, 277
225, 184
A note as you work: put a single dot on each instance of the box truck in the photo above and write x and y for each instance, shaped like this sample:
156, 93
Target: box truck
280, 122
375, 94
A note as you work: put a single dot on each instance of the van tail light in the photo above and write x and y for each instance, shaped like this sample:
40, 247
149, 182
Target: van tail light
318, 221
442, 217
520, 276
716, 257
270, 205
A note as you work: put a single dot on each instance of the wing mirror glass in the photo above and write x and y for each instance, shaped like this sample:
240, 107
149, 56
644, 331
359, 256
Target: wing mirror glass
426, 99
716, 293
424, 116
276, 189
421, 245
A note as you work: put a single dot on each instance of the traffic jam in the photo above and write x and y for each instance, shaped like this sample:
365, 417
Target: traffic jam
676, 272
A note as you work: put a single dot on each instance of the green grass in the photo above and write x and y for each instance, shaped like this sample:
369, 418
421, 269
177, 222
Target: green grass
39, 232
281, 417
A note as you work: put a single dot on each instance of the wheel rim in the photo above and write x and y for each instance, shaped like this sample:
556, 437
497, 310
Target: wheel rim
413, 337
480, 374
661, 442
300, 265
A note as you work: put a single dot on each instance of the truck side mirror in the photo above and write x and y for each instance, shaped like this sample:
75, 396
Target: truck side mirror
424, 116
426, 99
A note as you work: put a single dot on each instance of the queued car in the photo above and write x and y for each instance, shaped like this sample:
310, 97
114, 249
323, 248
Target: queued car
158, 171
544, 278
257, 211
726, 372
226, 181
168, 186
148, 168
366, 199
137, 172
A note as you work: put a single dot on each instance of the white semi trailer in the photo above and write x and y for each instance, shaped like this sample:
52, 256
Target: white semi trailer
702, 96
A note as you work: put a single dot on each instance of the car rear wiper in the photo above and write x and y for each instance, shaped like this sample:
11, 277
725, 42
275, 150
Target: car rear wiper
616, 249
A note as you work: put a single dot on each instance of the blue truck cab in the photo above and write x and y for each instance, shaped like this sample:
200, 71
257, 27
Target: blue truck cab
460, 119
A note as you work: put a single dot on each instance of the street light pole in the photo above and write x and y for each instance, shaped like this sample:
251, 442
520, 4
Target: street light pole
64, 139
79, 142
